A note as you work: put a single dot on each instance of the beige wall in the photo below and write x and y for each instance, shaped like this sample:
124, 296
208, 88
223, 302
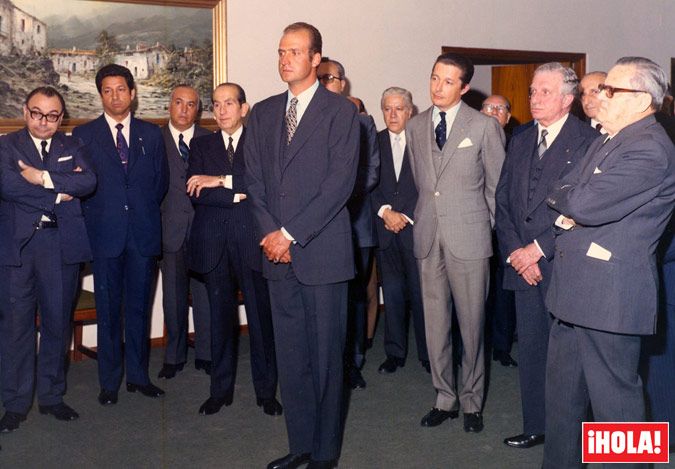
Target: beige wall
394, 42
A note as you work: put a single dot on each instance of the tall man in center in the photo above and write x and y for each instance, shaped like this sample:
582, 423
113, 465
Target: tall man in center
456, 154
302, 152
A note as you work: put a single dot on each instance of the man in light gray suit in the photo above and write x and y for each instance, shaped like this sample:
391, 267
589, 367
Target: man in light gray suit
177, 213
456, 154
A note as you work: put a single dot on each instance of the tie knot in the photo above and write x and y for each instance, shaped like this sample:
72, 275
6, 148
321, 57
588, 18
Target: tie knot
44, 145
442, 114
294, 102
119, 126
230, 140
397, 139
544, 133
180, 137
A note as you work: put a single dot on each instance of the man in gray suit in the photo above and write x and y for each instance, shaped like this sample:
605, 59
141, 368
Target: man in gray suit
456, 154
177, 214
613, 209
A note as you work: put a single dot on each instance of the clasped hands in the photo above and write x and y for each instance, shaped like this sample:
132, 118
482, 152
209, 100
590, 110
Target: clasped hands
394, 221
524, 262
276, 247
35, 177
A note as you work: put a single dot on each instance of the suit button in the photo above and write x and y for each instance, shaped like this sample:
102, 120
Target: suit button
396, 193
437, 193
283, 194
528, 219
126, 207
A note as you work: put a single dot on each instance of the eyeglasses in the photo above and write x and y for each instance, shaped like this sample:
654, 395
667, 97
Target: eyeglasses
498, 108
610, 90
328, 78
38, 116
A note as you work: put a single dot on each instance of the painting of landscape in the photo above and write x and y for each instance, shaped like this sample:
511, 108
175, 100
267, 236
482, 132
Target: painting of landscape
62, 43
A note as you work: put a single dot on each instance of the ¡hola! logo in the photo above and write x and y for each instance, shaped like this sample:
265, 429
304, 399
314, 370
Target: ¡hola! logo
625, 442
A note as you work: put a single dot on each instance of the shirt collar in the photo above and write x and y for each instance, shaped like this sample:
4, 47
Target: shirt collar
450, 115
38, 143
187, 133
553, 130
235, 137
126, 122
392, 136
304, 99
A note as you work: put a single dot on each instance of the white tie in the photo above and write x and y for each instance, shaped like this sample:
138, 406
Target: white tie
397, 153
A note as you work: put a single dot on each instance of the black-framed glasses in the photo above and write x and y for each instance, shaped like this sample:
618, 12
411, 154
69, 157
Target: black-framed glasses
498, 108
38, 116
328, 78
610, 90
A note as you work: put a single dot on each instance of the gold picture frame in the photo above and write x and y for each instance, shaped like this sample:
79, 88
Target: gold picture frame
219, 21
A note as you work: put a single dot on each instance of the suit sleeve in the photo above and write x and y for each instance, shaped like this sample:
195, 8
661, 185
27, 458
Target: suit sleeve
507, 235
212, 196
492, 154
632, 180
369, 166
343, 155
76, 183
161, 167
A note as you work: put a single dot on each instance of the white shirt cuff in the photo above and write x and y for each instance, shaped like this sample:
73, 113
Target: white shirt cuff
287, 235
408, 218
380, 212
560, 223
540, 250
47, 182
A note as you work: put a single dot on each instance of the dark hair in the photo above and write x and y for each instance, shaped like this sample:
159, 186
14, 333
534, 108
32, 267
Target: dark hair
241, 95
114, 70
459, 61
315, 41
340, 67
50, 92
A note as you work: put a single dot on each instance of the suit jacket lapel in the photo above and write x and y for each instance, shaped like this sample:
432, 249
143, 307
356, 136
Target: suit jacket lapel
30, 152
458, 132
136, 148
56, 150
427, 139
310, 119
526, 152
108, 142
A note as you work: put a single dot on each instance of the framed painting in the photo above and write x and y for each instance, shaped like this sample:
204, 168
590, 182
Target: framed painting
62, 43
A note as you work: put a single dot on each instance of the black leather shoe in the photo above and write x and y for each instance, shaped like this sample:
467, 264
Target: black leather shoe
270, 406
524, 440
213, 405
61, 411
169, 370
390, 365
473, 422
320, 464
436, 417
505, 359
107, 397
149, 390
426, 365
203, 365
290, 461
355, 379
11, 421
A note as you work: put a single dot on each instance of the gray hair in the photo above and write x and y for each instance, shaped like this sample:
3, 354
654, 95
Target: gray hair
396, 91
649, 76
570, 82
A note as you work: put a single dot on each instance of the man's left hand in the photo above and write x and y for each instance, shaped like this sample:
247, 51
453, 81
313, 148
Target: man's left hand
31, 174
524, 257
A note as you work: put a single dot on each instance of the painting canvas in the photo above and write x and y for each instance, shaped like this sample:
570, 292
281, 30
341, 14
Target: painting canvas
62, 43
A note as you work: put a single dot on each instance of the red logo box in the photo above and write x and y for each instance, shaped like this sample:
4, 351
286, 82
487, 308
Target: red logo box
625, 442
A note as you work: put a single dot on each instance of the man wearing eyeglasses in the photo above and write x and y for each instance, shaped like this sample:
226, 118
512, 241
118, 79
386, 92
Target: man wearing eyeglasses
536, 157
43, 241
588, 88
332, 75
498, 107
613, 208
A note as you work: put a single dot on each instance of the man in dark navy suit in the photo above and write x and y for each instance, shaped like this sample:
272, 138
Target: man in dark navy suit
331, 74
394, 201
224, 248
524, 221
123, 222
302, 152
43, 241
177, 215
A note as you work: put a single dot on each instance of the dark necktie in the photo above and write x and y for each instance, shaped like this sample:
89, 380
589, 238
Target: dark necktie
291, 120
183, 148
440, 131
44, 153
122, 147
541, 148
230, 152
598, 126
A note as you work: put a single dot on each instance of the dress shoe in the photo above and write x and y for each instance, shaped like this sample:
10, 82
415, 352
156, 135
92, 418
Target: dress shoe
505, 359
213, 404
149, 390
107, 397
203, 365
524, 440
169, 370
390, 365
270, 406
426, 365
11, 421
290, 461
355, 379
320, 464
61, 411
436, 417
473, 422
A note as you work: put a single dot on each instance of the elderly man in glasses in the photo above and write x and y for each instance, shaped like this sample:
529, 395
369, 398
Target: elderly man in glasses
498, 107
590, 102
613, 208
43, 241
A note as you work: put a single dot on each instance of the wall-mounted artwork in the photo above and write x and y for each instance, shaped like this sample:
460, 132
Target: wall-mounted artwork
63, 43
